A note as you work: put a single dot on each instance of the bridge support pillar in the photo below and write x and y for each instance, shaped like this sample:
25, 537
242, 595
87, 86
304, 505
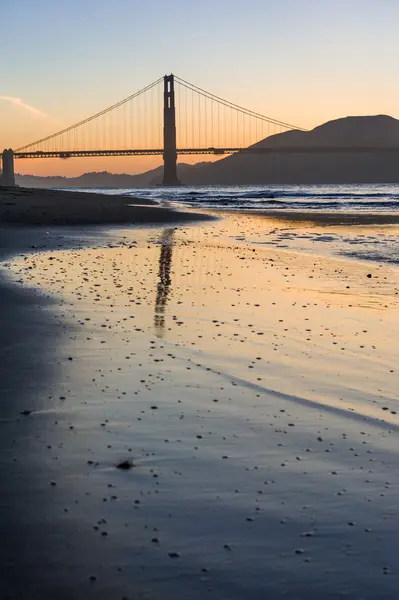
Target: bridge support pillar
7, 177
169, 133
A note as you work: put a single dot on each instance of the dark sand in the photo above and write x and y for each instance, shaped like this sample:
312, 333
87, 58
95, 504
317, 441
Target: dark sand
55, 207
32, 530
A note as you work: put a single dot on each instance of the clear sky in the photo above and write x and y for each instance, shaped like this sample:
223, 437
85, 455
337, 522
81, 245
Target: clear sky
300, 61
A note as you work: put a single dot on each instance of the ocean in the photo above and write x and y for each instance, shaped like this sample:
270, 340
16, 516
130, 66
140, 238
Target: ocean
361, 197
370, 242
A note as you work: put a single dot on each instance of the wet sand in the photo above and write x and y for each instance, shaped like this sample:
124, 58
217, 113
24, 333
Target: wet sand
253, 388
331, 218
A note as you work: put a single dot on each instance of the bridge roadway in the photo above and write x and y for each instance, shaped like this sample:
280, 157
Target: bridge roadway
216, 151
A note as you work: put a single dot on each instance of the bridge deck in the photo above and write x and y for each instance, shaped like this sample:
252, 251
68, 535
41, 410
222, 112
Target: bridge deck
215, 151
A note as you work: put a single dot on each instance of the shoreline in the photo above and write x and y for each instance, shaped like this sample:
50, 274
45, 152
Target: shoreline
34, 206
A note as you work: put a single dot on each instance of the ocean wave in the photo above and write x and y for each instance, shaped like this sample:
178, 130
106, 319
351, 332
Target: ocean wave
288, 194
376, 197
326, 203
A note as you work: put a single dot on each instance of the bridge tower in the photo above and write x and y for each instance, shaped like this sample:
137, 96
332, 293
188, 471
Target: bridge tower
169, 133
7, 178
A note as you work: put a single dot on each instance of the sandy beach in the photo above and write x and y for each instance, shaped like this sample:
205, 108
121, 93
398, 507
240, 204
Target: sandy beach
68, 207
243, 368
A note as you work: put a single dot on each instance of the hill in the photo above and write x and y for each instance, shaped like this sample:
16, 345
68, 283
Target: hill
102, 179
88, 180
380, 130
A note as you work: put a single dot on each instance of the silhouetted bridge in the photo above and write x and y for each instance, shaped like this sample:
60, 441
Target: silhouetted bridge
164, 119
215, 151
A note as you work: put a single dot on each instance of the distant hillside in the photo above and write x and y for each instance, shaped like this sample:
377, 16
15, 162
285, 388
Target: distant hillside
88, 180
240, 168
103, 179
378, 130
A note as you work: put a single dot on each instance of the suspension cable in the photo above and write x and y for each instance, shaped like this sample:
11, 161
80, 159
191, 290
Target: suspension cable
88, 119
235, 106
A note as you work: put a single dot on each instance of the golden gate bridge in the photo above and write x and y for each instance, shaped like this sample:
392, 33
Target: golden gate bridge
169, 117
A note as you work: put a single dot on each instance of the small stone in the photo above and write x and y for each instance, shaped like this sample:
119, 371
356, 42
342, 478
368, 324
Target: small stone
125, 465
227, 546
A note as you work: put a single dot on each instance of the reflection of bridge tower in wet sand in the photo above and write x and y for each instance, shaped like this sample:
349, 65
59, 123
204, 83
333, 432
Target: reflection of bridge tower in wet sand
192, 269
164, 281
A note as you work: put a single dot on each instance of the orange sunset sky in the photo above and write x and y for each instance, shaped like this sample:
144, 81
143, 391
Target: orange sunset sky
300, 62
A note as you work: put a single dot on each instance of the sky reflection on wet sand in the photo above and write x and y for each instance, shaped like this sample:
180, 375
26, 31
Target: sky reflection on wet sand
255, 389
